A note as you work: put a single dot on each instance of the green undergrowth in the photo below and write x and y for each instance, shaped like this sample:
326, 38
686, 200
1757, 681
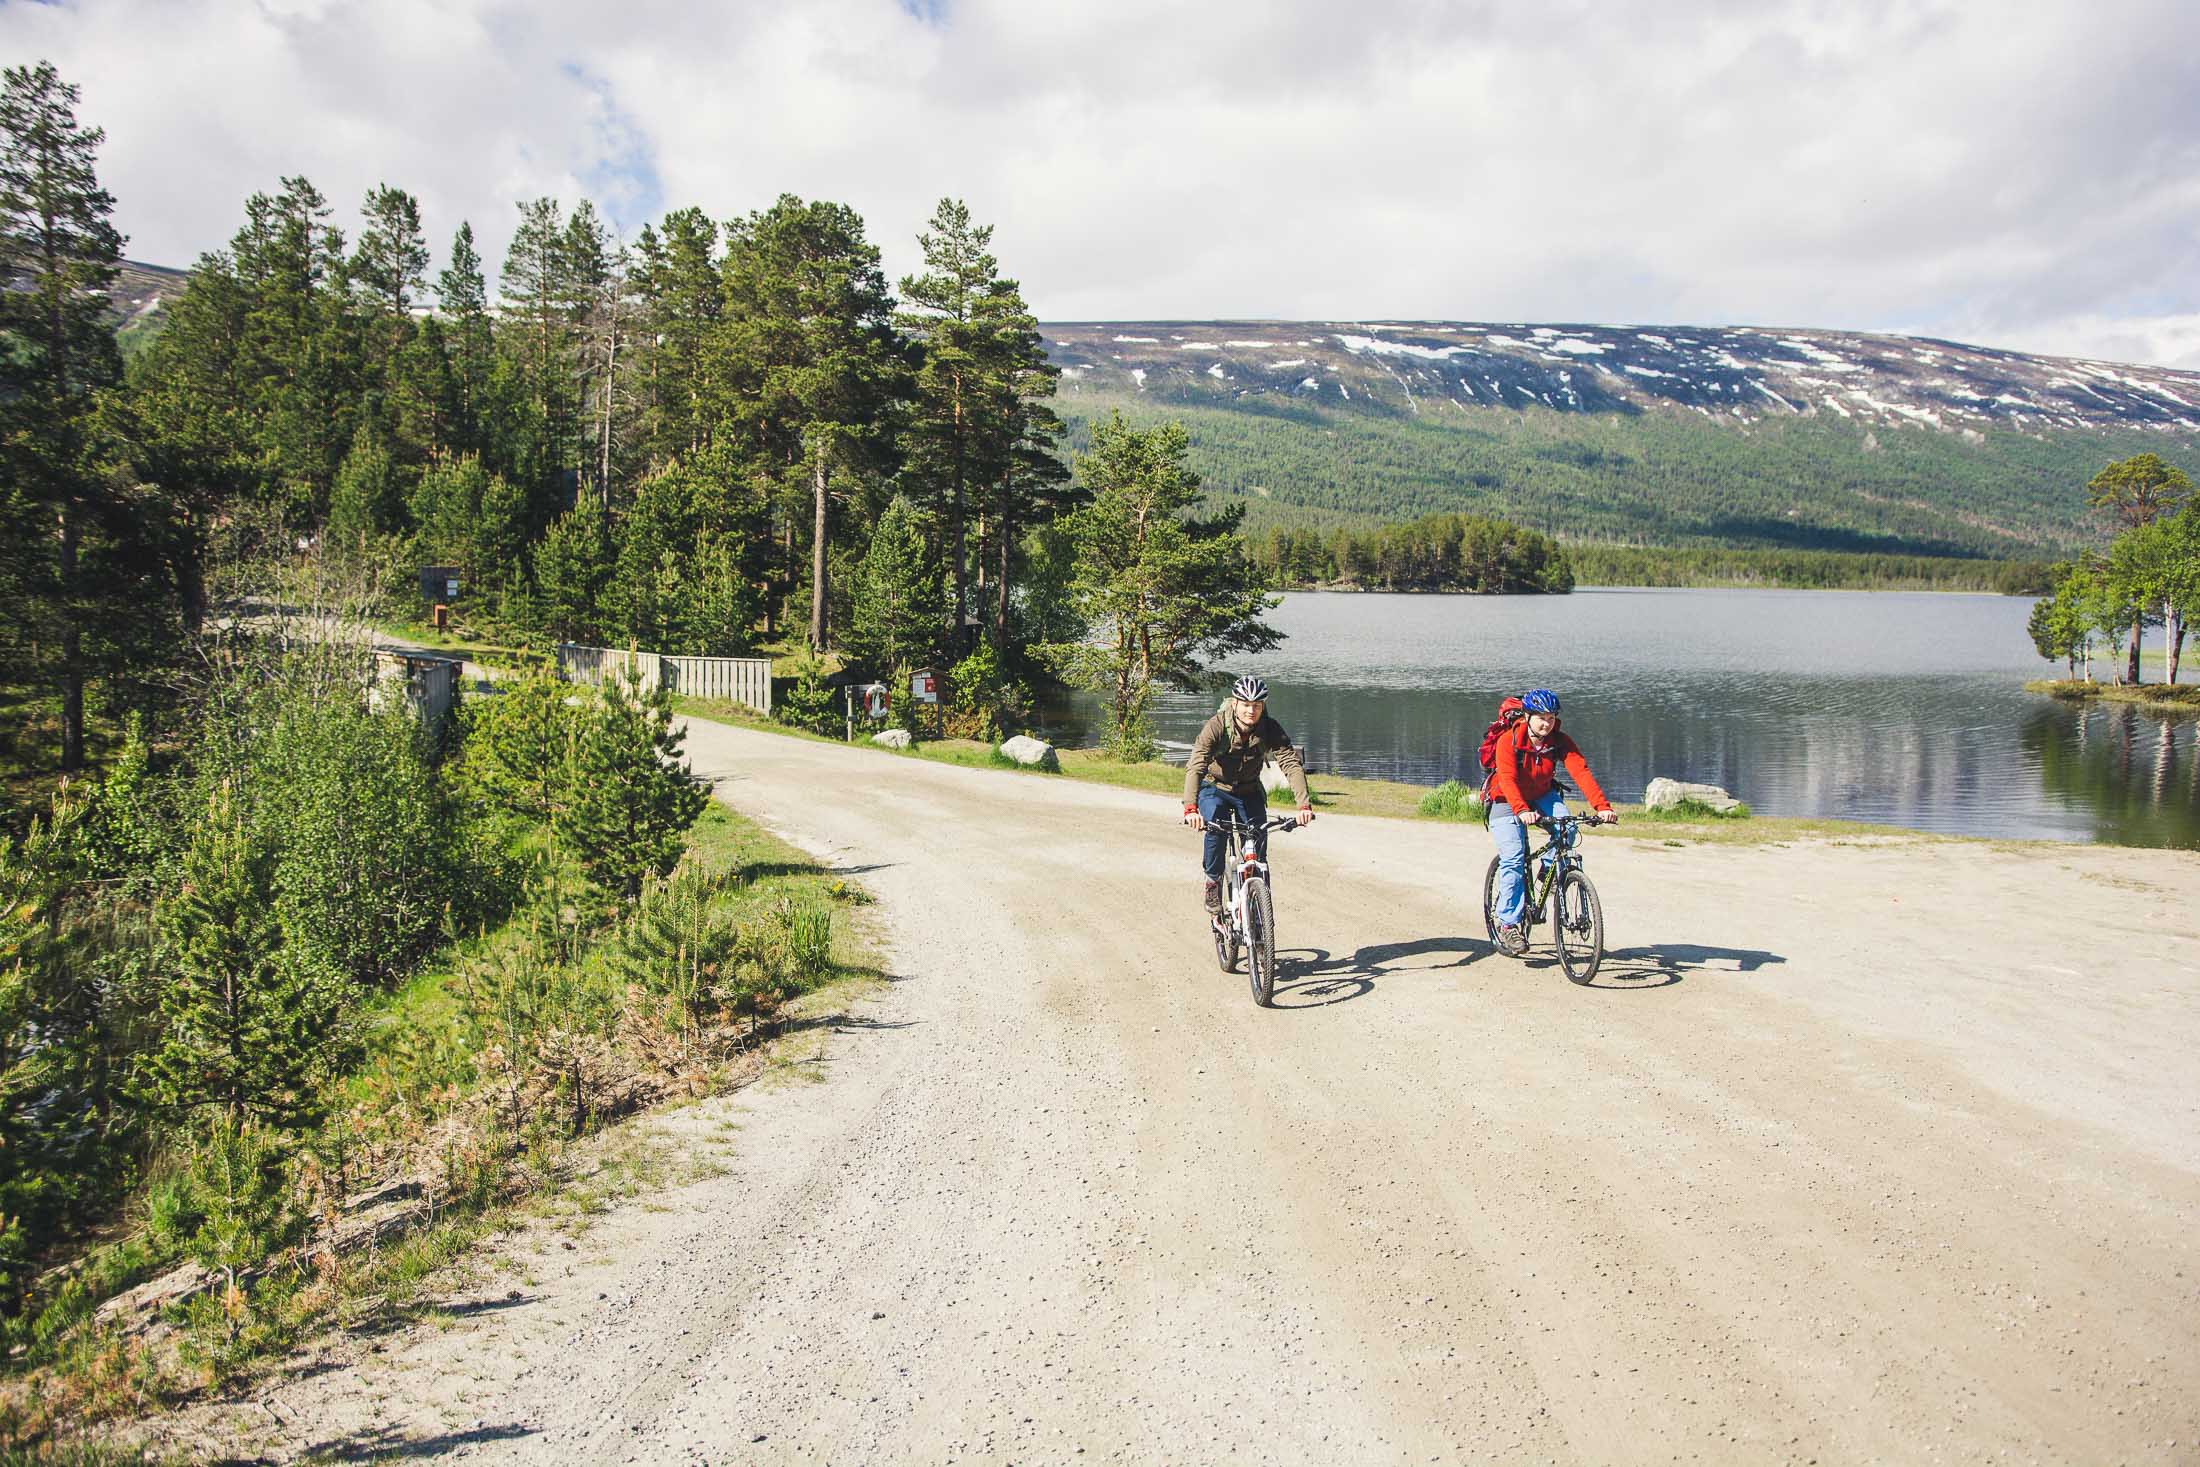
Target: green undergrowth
479, 1081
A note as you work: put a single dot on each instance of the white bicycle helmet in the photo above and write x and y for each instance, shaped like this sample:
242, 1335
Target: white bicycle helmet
1250, 689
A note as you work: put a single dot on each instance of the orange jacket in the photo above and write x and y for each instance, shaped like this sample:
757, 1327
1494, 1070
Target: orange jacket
1525, 768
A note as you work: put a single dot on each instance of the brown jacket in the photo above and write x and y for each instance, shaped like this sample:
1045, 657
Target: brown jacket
1222, 755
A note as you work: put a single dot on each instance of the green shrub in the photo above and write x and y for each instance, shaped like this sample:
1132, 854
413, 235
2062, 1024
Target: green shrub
1696, 810
365, 859
250, 1023
984, 700
811, 705
631, 798
517, 743
1453, 800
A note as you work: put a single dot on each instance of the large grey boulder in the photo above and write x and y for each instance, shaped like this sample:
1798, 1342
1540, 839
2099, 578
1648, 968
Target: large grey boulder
1272, 779
1031, 753
1664, 794
893, 738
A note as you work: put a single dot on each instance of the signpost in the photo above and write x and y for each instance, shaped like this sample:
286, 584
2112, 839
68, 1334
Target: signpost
439, 588
876, 701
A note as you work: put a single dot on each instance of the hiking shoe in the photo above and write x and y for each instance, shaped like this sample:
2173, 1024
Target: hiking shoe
1214, 898
1511, 941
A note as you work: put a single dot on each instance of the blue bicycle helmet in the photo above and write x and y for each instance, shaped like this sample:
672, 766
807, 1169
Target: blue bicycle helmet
1542, 700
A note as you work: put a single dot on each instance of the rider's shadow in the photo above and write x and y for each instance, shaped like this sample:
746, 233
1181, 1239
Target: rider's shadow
1310, 978
1663, 964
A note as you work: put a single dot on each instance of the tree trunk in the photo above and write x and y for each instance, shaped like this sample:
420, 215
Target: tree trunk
1003, 535
2173, 633
2131, 667
955, 501
610, 373
817, 562
72, 670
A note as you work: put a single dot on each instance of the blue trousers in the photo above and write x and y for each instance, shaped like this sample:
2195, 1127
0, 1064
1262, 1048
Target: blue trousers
1512, 855
1247, 809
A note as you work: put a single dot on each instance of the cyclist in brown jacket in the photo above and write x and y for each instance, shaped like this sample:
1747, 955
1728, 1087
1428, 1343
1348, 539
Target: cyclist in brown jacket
1222, 777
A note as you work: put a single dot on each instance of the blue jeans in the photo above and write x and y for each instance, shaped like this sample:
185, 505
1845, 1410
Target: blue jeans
1512, 855
1249, 809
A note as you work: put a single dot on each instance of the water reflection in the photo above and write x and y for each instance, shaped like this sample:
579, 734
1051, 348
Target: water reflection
2135, 776
1899, 709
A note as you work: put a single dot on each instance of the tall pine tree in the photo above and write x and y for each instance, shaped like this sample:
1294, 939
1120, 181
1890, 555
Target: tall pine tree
58, 256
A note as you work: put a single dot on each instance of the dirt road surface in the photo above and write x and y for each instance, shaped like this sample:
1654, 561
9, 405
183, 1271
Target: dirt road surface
1881, 1152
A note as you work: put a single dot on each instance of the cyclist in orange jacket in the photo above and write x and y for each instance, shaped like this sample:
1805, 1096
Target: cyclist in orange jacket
1523, 794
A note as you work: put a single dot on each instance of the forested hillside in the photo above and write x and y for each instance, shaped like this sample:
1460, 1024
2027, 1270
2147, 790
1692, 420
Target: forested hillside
1785, 440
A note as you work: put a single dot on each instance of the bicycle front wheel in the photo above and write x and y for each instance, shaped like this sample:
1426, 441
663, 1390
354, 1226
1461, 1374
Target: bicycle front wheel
1577, 926
1260, 942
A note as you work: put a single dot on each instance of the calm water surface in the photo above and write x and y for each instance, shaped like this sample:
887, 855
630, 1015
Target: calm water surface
1906, 709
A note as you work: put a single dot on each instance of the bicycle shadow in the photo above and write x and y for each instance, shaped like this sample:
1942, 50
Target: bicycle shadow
1312, 977
1663, 964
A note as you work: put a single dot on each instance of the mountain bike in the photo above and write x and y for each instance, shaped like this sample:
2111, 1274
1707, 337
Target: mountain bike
1555, 879
1248, 919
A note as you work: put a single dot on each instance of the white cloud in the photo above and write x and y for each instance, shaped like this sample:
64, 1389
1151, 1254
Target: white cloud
2011, 175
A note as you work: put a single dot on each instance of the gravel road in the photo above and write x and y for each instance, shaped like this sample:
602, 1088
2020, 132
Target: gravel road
1855, 1152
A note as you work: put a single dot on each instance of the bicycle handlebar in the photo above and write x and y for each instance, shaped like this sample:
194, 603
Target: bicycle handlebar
1281, 822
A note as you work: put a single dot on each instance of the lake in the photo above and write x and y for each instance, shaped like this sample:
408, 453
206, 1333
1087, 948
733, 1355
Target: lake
1899, 708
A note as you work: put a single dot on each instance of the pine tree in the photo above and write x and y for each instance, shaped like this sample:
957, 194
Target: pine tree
682, 300
537, 340
474, 519
369, 497
980, 436
249, 1023
898, 595
519, 744
631, 797
812, 360
390, 263
1160, 591
573, 567
302, 343
58, 255
462, 296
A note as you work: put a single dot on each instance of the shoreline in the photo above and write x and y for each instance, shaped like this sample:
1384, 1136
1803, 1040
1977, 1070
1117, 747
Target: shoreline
2153, 697
1383, 799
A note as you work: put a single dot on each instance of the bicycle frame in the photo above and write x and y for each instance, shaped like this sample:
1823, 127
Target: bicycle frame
1544, 870
1241, 862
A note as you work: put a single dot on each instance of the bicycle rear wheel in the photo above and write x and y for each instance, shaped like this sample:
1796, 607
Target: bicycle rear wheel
1489, 900
1260, 942
1577, 926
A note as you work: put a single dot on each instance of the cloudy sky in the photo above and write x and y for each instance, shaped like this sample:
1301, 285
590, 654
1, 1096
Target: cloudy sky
2014, 174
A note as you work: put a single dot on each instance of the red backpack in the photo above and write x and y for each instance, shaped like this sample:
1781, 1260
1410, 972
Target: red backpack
1509, 712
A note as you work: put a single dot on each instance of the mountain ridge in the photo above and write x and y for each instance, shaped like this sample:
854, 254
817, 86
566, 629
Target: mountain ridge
1736, 435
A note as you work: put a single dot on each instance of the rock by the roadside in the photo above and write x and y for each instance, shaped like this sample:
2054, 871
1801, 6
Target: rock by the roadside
893, 738
1031, 753
1272, 779
187, 1282
1664, 794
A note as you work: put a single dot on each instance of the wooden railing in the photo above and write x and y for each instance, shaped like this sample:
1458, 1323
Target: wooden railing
746, 680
